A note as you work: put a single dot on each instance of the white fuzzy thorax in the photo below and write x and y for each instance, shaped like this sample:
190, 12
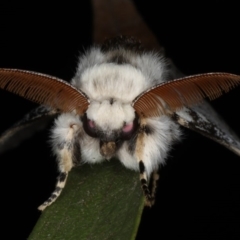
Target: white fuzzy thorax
102, 81
109, 80
152, 67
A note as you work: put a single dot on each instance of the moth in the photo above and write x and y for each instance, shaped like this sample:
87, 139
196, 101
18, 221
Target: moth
123, 102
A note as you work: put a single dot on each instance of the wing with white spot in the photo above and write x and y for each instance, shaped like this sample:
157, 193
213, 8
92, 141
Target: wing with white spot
205, 120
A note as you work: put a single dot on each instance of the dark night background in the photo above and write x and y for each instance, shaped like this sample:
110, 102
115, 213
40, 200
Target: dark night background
199, 189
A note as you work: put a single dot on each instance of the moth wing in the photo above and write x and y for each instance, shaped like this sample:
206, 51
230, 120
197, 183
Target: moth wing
34, 121
204, 120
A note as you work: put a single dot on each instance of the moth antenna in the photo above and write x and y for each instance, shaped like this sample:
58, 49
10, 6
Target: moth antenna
171, 96
44, 89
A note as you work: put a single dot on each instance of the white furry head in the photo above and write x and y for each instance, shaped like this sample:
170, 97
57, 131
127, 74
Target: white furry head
112, 86
110, 104
110, 115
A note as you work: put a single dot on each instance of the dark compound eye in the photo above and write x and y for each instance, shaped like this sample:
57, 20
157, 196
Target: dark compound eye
89, 126
130, 129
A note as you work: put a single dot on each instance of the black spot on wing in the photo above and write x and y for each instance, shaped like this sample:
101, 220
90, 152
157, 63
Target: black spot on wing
197, 123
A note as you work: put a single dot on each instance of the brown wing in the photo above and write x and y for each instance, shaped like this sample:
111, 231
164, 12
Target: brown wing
173, 95
44, 89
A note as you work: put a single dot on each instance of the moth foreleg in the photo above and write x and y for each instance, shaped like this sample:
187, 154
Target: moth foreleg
154, 181
149, 194
144, 185
61, 181
65, 151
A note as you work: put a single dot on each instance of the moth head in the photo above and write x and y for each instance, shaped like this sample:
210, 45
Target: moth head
112, 122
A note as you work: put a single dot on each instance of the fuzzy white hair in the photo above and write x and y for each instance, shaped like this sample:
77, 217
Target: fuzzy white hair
110, 127
102, 80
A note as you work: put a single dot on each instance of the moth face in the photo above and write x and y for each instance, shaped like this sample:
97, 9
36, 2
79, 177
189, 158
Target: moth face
112, 122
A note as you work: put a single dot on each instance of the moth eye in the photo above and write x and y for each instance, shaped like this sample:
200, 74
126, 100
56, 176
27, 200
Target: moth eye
127, 128
130, 129
89, 126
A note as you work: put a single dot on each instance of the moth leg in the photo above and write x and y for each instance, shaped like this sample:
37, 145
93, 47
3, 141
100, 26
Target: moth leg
66, 156
61, 181
154, 180
145, 186
149, 195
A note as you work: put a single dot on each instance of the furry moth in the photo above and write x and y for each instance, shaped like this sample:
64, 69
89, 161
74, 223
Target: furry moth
123, 102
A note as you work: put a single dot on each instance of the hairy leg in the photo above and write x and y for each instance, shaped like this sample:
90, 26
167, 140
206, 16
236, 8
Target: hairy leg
66, 150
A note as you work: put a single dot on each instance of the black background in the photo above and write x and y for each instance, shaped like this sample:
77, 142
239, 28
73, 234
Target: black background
199, 190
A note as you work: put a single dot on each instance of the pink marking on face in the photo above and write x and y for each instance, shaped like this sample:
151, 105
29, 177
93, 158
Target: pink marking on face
128, 127
91, 124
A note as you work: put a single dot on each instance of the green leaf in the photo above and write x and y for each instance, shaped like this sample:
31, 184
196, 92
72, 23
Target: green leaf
102, 201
